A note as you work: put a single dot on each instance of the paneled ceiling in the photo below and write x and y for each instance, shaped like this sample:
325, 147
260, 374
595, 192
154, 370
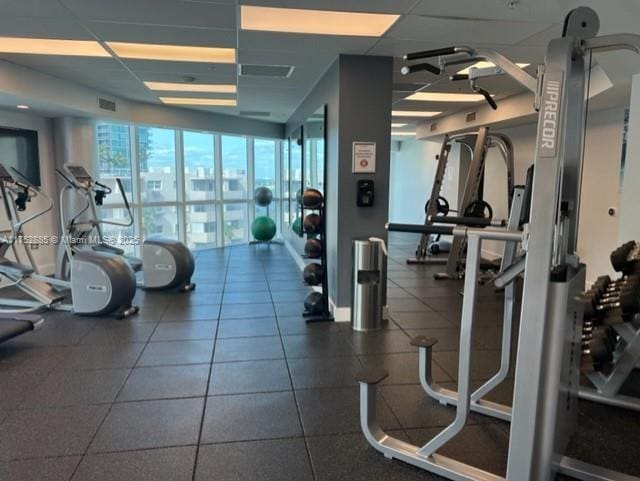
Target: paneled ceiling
518, 28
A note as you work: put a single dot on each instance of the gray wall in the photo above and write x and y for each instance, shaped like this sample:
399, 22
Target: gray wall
357, 92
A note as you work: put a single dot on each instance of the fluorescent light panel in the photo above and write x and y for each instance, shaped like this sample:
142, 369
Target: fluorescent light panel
49, 46
394, 134
22, 107
198, 101
318, 22
444, 97
413, 113
397, 126
187, 87
175, 53
484, 64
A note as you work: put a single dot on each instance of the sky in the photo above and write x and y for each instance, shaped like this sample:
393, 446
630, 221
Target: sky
198, 149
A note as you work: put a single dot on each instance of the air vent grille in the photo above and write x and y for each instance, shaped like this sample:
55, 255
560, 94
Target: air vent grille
470, 117
273, 71
105, 104
254, 113
433, 127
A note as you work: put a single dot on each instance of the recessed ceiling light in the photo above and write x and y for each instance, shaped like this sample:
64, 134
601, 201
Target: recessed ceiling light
48, 46
22, 107
183, 87
413, 113
175, 53
397, 125
198, 101
394, 134
319, 22
484, 64
444, 97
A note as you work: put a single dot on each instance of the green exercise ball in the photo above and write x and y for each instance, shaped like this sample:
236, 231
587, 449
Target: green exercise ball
263, 228
297, 226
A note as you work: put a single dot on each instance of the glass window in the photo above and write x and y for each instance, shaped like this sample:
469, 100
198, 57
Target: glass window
285, 182
120, 236
295, 175
157, 159
265, 164
234, 167
235, 230
201, 226
114, 159
160, 220
199, 167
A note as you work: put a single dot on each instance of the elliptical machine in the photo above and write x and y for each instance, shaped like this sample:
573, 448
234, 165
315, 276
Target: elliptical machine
166, 263
99, 283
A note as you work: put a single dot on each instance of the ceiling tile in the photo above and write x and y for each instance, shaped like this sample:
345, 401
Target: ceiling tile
36, 27
156, 12
524, 11
33, 8
58, 62
399, 47
125, 32
181, 68
464, 31
289, 42
371, 6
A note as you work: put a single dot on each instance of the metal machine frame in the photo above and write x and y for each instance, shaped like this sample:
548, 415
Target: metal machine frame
547, 371
478, 143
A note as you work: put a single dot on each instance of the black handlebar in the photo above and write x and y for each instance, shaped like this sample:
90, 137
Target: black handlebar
487, 97
124, 197
466, 221
419, 67
458, 76
436, 52
420, 229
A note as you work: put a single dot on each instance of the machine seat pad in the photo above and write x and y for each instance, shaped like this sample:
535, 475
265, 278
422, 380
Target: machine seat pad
423, 341
371, 375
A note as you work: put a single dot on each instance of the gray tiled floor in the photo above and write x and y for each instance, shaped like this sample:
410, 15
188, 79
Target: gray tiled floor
229, 383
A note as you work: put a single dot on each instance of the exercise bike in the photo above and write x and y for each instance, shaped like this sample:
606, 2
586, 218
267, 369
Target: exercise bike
99, 283
165, 264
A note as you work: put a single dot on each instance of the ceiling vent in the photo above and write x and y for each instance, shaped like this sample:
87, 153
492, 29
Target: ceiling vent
105, 104
254, 113
273, 71
470, 117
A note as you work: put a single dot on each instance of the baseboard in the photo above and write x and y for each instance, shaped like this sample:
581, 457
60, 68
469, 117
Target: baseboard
340, 314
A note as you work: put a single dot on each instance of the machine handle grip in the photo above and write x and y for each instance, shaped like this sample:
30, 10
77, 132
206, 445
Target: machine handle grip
124, 197
420, 229
467, 221
436, 52
419, 67
459, 76
487, 97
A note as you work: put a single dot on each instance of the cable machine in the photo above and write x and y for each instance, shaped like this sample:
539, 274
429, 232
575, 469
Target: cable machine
544, 412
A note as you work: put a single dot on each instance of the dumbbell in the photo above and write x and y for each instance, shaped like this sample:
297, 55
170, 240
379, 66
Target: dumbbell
627, 299
626, 258
601, 346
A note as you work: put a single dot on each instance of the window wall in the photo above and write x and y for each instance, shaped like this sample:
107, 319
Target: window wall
193, 186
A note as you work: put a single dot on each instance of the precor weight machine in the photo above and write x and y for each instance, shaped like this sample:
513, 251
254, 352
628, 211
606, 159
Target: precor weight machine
165, 264
478, 144
99, 283
544, 412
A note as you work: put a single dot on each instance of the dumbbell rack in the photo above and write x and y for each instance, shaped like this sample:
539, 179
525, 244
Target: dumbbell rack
609, 380
325, 314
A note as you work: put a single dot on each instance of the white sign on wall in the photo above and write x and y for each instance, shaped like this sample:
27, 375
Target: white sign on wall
364, 158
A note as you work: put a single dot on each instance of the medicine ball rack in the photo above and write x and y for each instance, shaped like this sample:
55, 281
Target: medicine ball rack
323, 314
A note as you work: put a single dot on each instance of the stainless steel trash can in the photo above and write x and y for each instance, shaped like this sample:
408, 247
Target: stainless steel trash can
368, 281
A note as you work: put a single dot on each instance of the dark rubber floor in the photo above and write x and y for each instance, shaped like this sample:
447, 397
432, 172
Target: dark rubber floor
229, 383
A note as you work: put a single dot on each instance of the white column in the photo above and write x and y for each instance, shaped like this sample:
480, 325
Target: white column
629, 227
